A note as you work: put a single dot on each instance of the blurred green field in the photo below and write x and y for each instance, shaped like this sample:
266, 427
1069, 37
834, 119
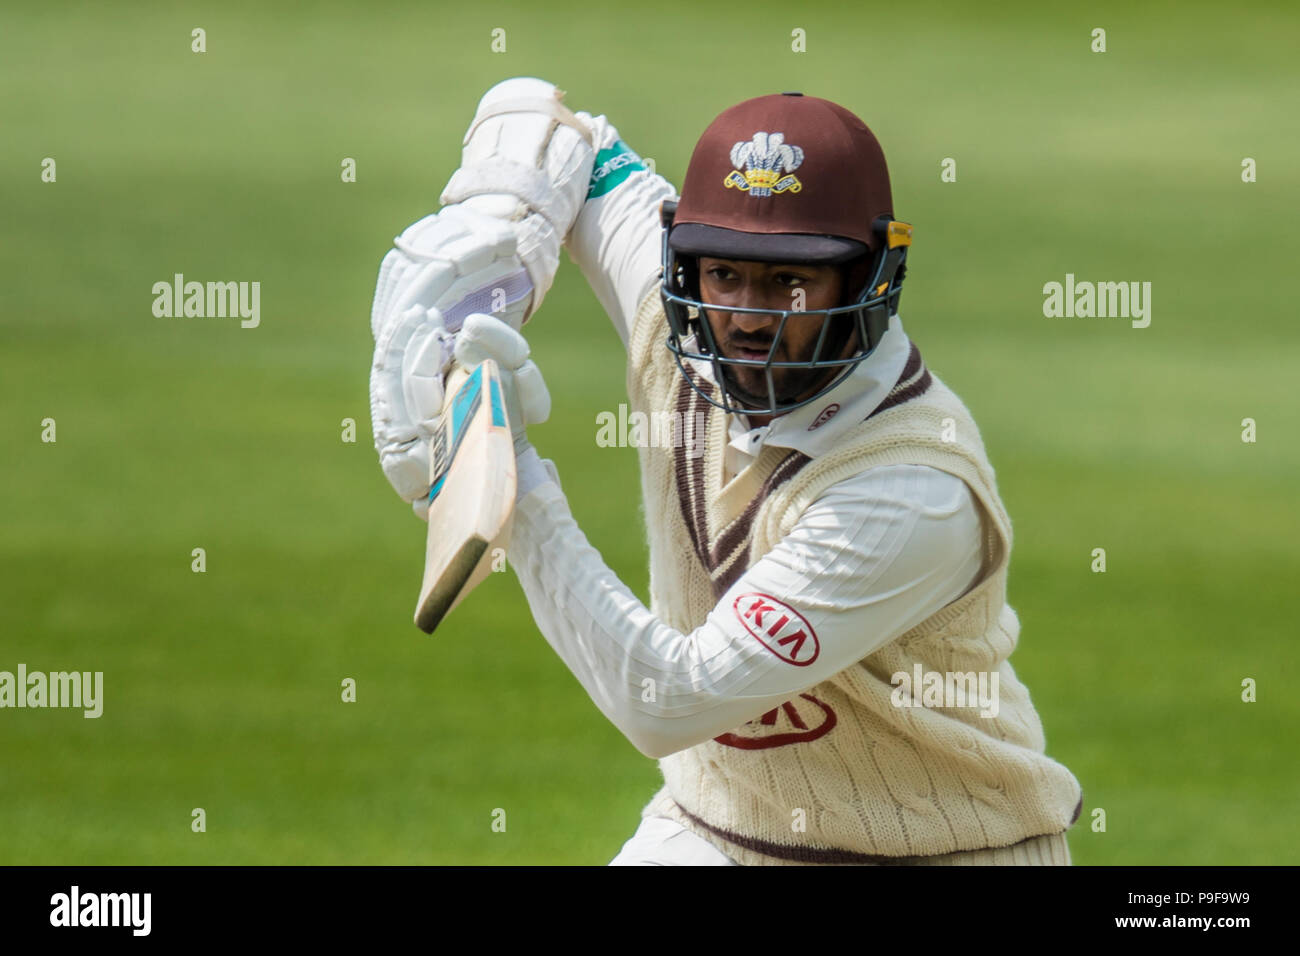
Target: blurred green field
222, 689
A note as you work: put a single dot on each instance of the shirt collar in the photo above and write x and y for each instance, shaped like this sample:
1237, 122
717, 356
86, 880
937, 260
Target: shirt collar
816, 428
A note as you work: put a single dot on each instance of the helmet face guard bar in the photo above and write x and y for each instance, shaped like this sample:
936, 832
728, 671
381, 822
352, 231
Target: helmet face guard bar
869, 312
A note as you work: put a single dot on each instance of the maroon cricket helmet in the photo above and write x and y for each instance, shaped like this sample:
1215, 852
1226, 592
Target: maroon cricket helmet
785, 178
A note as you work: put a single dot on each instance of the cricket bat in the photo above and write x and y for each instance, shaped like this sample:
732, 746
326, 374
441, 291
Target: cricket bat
471, 494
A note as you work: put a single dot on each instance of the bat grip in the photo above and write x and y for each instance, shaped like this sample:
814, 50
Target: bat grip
456, 376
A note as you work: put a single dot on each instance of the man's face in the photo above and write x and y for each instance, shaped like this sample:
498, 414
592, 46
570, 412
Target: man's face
741, 335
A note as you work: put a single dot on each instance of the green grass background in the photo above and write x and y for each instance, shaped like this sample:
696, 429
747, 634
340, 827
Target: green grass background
223, 689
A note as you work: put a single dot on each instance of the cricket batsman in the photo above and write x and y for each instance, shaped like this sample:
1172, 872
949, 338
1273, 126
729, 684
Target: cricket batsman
823, 669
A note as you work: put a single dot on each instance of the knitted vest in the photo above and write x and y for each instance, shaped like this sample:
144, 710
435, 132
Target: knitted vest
840, 774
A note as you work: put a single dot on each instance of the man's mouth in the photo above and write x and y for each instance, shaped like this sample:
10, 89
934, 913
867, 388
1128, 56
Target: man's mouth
751, 352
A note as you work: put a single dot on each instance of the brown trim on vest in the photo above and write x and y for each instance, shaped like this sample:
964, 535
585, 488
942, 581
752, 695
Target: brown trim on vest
690, 478
812, 854
739, 532
913, 363
692, 493
910, 384
919, 387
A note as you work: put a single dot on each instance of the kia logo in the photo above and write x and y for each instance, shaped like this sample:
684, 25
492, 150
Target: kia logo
796, 721
778, 627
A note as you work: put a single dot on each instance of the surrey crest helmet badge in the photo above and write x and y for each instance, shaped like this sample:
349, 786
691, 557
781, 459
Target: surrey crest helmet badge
763, 159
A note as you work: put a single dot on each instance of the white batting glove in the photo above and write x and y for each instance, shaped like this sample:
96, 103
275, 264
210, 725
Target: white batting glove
528, 402
444, 267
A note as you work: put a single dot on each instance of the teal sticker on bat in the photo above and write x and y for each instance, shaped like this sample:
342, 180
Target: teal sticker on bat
498, 412
465, 405
467, 400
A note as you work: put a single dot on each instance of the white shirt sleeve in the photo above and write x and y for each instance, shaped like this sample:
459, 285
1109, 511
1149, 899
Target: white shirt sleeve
871, 558
616, 239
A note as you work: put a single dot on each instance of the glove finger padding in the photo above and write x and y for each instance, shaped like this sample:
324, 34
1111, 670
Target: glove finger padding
424, 364
406, 466
401, 410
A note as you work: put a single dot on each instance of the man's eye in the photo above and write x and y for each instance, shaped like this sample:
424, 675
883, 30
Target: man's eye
720, 274
788, 279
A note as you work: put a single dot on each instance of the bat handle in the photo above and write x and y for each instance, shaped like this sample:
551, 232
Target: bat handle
456, 377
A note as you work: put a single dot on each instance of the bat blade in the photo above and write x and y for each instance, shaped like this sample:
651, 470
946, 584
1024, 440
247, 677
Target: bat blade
472, 492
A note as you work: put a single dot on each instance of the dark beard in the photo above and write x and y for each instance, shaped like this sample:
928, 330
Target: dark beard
804, 381
798, 382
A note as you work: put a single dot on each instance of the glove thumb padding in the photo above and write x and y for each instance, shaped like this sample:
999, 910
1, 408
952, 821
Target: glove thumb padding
485, 337
534, 397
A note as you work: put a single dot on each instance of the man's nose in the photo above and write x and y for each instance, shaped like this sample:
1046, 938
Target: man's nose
752, 322
754, 296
